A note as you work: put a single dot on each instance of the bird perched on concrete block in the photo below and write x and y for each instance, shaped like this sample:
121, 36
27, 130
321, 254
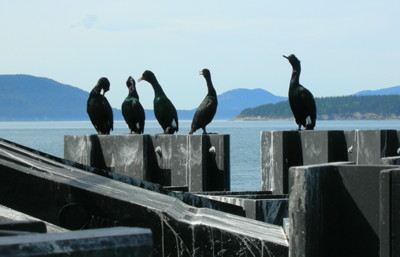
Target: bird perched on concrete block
132, 109
207, 109
99, 109
301, 100
164, 110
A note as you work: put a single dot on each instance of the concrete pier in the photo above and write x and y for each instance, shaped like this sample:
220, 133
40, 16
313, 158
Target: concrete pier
65, 193
194, 162
325, 193
281, 150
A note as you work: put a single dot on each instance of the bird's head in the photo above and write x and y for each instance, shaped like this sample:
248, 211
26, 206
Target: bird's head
205, 72
147, 76
293, 60
130, 83
104, 84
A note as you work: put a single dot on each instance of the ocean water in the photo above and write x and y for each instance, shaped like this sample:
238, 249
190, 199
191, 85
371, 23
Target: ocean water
48, 137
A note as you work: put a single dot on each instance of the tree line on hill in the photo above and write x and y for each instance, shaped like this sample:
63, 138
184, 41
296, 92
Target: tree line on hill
331, 108
30, 98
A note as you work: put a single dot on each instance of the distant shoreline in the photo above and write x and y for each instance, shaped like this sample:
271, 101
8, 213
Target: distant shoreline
289, 119
235, 119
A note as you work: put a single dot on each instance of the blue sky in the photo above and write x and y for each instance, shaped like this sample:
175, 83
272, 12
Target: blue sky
344, 46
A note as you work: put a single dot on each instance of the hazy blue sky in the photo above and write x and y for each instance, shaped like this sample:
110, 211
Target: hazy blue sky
344, 46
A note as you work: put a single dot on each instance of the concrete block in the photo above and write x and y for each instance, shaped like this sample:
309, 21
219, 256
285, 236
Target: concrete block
258, 205
274, 161
180, 161
217, 148
370, 146
281, 150
390, 213
125, 154
334, 210
198, 162
106, 242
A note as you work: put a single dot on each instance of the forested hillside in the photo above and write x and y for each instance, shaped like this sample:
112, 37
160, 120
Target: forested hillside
30, 98
346, 107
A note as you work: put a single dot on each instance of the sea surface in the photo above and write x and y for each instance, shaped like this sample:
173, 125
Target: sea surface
48, 137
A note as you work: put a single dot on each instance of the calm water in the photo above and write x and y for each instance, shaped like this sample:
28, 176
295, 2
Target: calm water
244, 135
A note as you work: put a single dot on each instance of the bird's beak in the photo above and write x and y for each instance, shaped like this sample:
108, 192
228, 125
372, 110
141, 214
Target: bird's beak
201, 72
104, 92
140, 79
285, 57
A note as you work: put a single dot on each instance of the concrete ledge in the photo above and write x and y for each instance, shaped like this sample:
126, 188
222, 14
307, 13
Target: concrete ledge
258, 205
13, 220
108, 242
198, 162
390, 213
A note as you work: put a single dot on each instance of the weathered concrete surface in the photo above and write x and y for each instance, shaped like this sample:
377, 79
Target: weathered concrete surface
13, 220
126, 154
371, 146
178, 229
334, 210
130, 242
198, 162
23, 226
390, 213
281, 150
187, 198
258, 205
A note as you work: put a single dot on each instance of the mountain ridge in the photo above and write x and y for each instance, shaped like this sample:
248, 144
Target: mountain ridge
31, 98
384, 91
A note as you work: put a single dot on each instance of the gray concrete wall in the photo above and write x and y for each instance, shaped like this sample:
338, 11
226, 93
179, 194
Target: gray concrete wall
281, 150
198, 162
390, 213
258, 205
334, 210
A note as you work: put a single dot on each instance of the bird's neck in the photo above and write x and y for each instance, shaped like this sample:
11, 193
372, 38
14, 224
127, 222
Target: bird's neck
211, 89
96, 90
133, 92
295, 76
157, 88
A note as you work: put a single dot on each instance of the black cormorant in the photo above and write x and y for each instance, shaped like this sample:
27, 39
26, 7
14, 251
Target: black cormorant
99, 109
207, 109
132, 110
301, 100
164, 110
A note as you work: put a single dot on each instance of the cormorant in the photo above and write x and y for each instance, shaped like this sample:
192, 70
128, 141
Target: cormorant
301, 100
164, 110
99, 109
207, 109
132, 110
